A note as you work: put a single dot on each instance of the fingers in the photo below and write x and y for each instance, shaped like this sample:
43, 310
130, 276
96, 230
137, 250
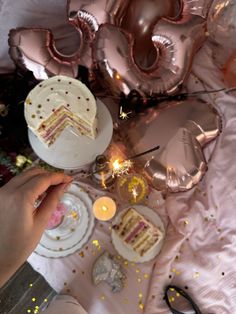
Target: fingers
25, 176
49, 204
40, 184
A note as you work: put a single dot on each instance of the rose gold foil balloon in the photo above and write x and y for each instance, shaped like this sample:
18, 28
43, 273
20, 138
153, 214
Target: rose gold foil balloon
150, 53
181, 129
35, 50
229, 71
87, 16
143, 45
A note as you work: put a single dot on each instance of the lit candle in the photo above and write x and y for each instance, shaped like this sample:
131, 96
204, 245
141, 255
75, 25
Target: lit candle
104, 208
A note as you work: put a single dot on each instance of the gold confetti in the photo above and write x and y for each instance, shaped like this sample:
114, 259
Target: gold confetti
146, 276
126, 263
74, 215
36, 311
197, 274
141, 306
28, 311
186, 222
30, 285
172, 289
137, 270
97, 244
177, 294
45, 300
140, 295
33, 299
81, 254
102, 297
28, 101
36, 307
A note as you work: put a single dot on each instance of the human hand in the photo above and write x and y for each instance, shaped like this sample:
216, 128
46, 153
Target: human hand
21, 226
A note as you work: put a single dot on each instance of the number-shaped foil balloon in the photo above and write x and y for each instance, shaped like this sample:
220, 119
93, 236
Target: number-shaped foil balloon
143, 45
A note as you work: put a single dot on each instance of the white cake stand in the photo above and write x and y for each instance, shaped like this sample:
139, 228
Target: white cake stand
71, 151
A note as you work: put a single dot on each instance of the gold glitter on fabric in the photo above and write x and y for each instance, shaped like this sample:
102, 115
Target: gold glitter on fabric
81, 254
141, 306
97, 244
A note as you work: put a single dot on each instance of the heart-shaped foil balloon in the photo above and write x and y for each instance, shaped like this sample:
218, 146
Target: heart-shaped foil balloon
181, 129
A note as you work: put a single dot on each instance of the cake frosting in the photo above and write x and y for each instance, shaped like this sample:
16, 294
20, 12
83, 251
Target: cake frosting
137, 232
57, 103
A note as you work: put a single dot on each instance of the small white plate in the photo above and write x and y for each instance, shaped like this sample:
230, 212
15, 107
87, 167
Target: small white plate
128, 253
42, 250
71, 151
71, 231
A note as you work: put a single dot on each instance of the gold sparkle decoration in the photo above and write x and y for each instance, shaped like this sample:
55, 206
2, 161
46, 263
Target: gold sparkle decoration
96, 244
124, 115
29, 311
33, 299
140, 295
137, 270
146, 276
81, 254
196, 274
30, 285
171, 299
103, 297
186, 222
45, 300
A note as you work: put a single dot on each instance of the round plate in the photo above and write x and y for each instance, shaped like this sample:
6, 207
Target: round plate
128, 253
77, 191
72, 229
72, 151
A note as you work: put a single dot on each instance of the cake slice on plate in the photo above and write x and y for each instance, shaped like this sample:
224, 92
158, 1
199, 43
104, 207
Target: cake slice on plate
57, 103
137, 232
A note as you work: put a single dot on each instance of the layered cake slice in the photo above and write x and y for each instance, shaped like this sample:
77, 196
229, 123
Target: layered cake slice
57, 103
137, 232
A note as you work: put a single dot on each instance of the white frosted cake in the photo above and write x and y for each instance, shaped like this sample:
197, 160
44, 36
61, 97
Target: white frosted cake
137, 232
57, 103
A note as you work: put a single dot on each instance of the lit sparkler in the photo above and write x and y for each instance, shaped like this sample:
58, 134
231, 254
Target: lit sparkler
124, 115
120, 168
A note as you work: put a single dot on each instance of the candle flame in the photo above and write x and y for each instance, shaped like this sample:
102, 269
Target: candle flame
104, 208
135, 194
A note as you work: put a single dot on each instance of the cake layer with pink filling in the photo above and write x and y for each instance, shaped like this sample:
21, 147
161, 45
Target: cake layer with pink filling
137, 232
58, 103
